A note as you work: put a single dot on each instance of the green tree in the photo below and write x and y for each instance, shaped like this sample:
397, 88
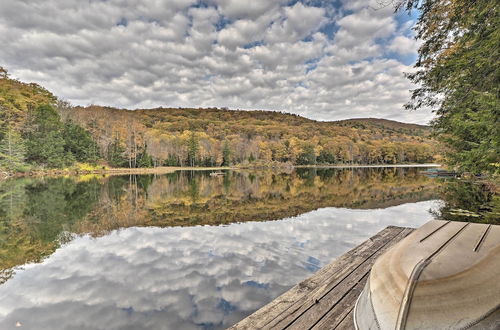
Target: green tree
12, 151
326, 157
79, 142
308, 156
226, 154
44, 138
115, 155
144, 159
458, 70
193, 148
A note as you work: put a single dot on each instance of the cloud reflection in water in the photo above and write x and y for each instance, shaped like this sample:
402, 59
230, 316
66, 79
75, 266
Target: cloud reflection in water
186, 277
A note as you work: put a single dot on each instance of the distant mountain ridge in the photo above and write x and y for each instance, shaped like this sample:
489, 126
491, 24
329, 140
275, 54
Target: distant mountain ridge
17, 96
291, 118
384, 123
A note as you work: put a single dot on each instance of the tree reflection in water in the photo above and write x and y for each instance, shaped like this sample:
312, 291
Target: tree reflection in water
37, 215
469, 201
131, 251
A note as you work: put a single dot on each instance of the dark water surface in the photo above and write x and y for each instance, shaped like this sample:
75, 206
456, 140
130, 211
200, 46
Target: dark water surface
185, 250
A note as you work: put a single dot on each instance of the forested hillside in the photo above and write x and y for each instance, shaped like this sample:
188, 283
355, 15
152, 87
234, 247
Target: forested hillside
16, 98
32, 134
36, 129
224, 137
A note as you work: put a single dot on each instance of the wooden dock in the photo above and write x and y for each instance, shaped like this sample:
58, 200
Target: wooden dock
326, 300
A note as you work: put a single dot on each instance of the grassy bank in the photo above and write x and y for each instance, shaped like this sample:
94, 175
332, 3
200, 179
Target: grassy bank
83, 169
106, 171
368, 166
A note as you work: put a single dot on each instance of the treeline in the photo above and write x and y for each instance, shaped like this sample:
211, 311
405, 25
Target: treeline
213, 137
191, 148
38, 130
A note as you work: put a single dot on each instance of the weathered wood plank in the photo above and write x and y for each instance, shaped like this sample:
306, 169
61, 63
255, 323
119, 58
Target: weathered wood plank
279, 308
291, 301
348, 322
339, 312
321, 301
330, 298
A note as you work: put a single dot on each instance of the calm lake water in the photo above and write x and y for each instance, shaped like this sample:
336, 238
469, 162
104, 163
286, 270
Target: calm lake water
186, 250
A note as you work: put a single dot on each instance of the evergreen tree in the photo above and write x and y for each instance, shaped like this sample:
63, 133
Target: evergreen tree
12, 151
326, 157
308, 157
79, 142
226, 154
193, 148
116, 152
145, 160
44, 139
172, 161
458, 70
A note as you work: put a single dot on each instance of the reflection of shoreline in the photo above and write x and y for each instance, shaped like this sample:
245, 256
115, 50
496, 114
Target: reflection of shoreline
188, 199
368, 166
41, 213
172, 169
110, 171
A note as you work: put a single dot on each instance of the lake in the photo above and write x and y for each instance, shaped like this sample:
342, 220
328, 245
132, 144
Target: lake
186, 250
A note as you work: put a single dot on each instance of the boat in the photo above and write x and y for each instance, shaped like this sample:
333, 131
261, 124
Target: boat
217, 174
445, 275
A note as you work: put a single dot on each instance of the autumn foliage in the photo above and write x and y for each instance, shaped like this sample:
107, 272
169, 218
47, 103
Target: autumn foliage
212, 137
37, 129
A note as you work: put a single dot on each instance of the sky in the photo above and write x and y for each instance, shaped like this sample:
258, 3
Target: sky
324, 60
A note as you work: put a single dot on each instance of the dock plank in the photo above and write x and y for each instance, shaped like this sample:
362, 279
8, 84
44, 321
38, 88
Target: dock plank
316, 304
334, 282
348, 322
334, 317
339, 271
343, 292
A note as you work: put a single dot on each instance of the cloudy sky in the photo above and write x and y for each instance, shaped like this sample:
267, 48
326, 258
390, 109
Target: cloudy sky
322, 59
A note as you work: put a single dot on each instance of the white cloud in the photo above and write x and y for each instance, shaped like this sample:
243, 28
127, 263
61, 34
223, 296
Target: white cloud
237, 9
363, 26
307, 58
297, 23
404, 45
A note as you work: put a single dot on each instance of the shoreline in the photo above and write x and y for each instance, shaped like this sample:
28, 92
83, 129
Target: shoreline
171, 169
109, 171
368, 166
